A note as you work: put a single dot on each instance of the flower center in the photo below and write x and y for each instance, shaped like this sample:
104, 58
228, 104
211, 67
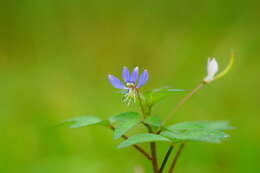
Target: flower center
131, 85
130, 97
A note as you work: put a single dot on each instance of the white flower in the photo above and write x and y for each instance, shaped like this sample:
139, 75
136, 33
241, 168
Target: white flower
212, 69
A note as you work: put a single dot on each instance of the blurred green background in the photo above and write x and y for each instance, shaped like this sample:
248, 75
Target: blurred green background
55, 56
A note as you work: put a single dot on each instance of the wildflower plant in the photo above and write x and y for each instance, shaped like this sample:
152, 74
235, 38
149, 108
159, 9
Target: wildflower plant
174, 135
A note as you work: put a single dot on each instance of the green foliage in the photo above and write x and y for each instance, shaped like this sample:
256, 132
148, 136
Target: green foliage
154, 121
219, 125
141, 138
156, 95
85, 121
121, 116
198, 131
211, 136
124, 122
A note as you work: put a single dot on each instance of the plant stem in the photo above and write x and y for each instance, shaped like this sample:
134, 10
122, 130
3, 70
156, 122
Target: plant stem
154, 156
153, 150
183, 100
166, 159
135, 146
152, 144
176, 158
141, 103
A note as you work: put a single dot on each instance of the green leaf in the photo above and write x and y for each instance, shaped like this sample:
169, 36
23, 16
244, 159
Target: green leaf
125, 121
141, 138
156, 95
121, 116
154, 122
84, 121
218, 125
211, 136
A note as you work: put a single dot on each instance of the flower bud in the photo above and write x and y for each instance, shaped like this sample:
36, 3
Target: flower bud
212, 69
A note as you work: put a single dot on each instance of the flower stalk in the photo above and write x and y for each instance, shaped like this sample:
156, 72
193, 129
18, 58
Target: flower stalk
166, 157
176, 158
183, 100
212, 68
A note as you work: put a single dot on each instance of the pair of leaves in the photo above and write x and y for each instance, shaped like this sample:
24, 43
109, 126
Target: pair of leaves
156, 95
181, 132
186, 131
123, 122
154, 122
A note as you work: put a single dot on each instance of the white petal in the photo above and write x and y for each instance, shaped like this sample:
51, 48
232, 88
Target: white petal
212, 69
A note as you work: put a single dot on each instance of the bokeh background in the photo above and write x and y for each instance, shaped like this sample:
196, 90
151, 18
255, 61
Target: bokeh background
55, 56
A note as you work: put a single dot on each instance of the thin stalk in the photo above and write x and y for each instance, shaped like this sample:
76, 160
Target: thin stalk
154, 156
183, 100
176, 158
142, 151
152, 144
166, 157
153, 150
141, 103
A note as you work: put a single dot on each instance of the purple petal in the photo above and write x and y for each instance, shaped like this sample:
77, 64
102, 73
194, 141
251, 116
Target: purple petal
126, 74
143, 79
134, 75
116, 82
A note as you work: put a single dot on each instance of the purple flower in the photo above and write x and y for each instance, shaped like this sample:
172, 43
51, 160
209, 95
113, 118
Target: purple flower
131, 82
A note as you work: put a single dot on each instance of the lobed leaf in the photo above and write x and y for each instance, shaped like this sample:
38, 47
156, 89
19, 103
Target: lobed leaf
141, 138
125, 121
